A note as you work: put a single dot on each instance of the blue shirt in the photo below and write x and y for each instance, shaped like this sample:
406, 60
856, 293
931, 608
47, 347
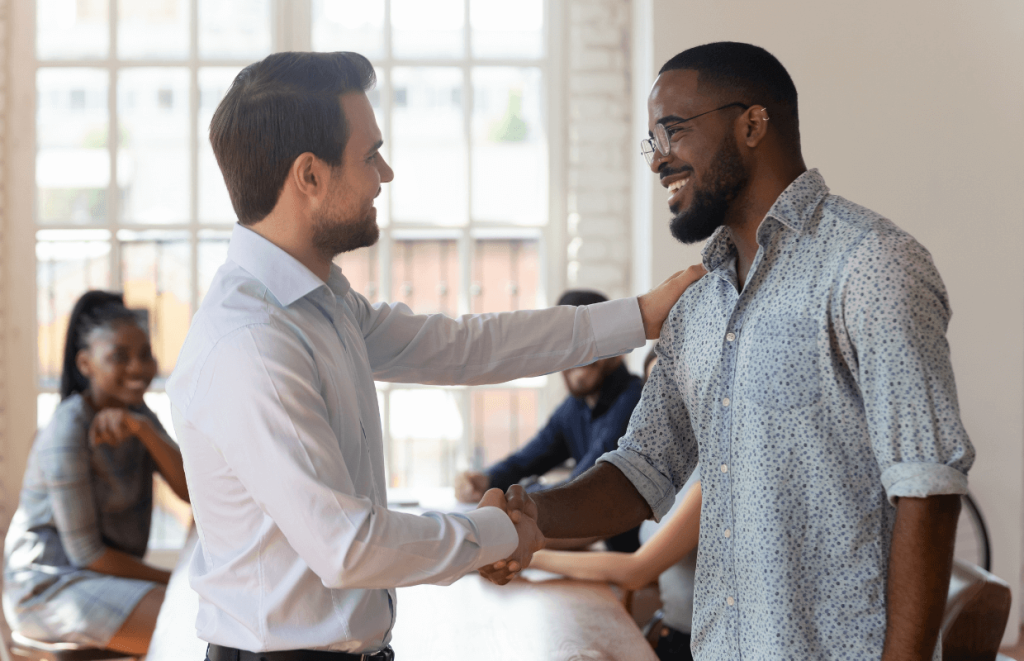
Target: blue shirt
814, 399
575, 430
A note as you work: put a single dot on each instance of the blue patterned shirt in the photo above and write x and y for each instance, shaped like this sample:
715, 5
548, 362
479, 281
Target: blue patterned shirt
813, 399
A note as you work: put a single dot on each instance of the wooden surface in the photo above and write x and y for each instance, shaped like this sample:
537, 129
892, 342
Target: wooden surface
538, 618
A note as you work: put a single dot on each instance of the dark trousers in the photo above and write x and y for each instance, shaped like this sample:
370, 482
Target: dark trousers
673, 645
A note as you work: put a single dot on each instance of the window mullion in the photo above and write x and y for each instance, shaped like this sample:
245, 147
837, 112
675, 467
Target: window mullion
113, 144
193, 153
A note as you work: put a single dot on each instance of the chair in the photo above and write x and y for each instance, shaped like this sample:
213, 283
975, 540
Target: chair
977, 608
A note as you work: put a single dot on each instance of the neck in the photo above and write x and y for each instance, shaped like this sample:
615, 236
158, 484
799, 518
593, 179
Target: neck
767, 182
287, 229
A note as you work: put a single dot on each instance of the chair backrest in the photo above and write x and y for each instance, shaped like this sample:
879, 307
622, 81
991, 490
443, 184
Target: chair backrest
977, 608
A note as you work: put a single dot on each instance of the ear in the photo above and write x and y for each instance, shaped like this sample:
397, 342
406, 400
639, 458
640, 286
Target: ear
84, 363
754, 125
310, 176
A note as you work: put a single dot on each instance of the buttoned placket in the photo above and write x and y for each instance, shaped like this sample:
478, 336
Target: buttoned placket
730, 348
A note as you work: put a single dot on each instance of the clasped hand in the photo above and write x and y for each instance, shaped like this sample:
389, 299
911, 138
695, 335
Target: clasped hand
523, 512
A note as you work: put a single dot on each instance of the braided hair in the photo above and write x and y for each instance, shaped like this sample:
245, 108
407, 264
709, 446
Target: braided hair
95, 309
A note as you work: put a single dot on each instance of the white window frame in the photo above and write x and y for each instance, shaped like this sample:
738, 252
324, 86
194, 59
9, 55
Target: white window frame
291, 30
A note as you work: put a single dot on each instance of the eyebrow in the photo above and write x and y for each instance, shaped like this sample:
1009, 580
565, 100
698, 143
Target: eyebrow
376, 147
669, 118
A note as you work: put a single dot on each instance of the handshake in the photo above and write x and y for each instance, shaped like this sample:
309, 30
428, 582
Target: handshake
523, 512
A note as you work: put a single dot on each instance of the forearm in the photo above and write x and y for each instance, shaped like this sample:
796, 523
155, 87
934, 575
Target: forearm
600, 503
920, 562
118, 563
168, 460
619, 568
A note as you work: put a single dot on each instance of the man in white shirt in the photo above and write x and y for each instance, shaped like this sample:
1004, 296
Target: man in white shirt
273, 396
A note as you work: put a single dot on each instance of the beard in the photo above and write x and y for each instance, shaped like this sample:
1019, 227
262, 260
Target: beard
334, 234
726, 178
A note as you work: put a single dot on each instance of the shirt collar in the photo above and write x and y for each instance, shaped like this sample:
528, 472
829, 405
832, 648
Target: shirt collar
793, 209
286, 278
612, 387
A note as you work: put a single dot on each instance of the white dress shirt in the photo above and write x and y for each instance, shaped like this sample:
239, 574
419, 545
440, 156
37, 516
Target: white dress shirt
276, 413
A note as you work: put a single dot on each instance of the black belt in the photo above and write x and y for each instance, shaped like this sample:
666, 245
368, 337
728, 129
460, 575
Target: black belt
221, 653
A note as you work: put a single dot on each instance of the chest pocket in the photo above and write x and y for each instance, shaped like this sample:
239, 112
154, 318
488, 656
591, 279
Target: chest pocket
780, 369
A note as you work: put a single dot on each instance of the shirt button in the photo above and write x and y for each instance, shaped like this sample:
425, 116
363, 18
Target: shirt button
725, 468
730, 601
726, 402
730, 336
727, 533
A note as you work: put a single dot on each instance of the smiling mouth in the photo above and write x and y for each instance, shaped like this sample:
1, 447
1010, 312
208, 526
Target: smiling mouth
676, 185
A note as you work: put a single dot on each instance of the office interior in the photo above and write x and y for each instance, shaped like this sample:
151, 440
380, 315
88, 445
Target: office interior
535, 110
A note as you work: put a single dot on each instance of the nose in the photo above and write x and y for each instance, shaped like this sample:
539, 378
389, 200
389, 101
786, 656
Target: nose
386, 173
657, 160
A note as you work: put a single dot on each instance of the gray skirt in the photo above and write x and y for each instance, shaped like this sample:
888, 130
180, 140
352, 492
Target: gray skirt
58, 604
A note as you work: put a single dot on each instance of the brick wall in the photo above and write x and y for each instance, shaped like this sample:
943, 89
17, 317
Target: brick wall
599, 145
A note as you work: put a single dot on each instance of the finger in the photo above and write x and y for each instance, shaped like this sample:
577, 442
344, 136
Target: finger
515, 515
500, 564
516, 496
514, 566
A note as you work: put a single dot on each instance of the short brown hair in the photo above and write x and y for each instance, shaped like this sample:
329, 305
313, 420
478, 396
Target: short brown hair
282, 106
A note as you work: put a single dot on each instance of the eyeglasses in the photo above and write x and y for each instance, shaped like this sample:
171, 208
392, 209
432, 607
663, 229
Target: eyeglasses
663, 133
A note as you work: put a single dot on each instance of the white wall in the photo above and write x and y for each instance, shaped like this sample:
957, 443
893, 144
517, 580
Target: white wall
916, 110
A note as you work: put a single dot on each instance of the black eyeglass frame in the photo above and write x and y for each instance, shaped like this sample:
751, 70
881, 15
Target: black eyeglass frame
661, 140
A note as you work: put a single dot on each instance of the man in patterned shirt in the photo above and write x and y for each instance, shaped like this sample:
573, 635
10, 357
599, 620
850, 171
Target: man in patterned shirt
810, 372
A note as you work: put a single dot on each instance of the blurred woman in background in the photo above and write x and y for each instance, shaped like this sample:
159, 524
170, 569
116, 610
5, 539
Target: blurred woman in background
73, 569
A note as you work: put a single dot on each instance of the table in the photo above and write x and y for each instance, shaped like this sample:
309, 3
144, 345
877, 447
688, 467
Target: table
539, 617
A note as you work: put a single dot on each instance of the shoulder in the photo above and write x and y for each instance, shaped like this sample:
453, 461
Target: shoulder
66, 437
237, 307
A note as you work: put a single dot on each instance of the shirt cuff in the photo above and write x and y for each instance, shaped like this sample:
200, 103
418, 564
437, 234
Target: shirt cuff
920, 480
657, 490
618, 326
495, 534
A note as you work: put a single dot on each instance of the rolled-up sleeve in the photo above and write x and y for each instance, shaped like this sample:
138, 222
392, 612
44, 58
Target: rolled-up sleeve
659, 451
896, 312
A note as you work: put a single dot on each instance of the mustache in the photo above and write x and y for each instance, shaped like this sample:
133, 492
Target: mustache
668, 172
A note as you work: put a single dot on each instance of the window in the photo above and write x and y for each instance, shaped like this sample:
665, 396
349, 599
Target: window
127, 194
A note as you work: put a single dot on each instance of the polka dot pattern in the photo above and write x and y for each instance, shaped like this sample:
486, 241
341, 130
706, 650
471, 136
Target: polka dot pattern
812, 400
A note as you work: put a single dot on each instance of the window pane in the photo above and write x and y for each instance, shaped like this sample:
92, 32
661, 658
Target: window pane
503, 29
214, 203
503, 421
360, 267
46, 405
68, 263
426, 428
428, 151
427, 29
355, 25
72, 29
155, 272
72, 158
425, 275
153, 158
234, 29
510, 159
152, 29
505, 275
212, 252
